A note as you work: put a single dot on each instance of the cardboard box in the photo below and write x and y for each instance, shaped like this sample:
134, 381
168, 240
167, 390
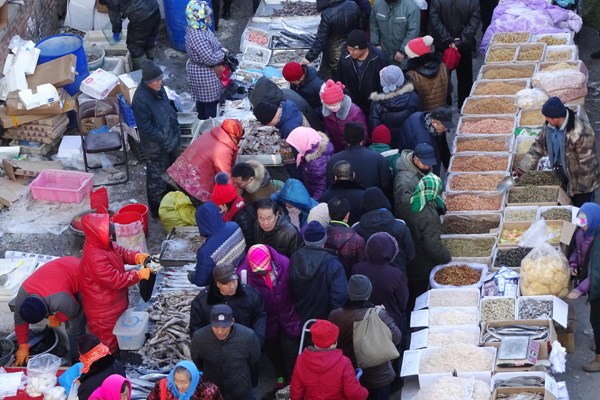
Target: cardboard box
101, 8
562, 198
3, 14
550, 388
567, 339
22, 168
9, 121
509, 226
14, 106
99, 84
129, 83
59, 72
543, 352
547, 394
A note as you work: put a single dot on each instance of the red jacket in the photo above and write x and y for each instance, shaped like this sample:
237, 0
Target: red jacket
57, 283
325, 375
104, 281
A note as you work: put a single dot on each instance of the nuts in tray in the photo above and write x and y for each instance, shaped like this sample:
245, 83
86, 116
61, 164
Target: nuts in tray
471, 202
487, 126
511, 37
501, 54
530, 53
508, 72
498, 87
480, 145
558, 66
477, 182
479, 163
553, 41
485, 105
532, 118
559, 55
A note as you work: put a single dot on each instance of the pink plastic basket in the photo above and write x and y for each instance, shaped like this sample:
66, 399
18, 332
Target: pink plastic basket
61, 186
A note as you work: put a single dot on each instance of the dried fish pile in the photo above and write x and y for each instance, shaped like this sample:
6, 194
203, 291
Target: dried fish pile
480, 247
456, 298
285, 56
531, 53
295, 8
533, 194
256, 55
499, 309
511, 37
501, 54
260, 140
519, 381
170, 342
520, 215
538, 178
535, 309
446, 317
552, 41
442, 339
459, 357
559, 55
557, 214
470, 202
452, 388
539, 395
457, 275
511, 257
496, 333
464, 226
499, 88
487, 126
505, 72
477, 182
478, 163
480, 145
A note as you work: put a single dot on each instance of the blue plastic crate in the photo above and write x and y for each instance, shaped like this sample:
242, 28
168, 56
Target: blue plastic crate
126, 111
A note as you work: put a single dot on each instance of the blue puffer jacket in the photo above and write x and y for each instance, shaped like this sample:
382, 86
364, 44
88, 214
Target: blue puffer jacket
294, 192
310, 87
224, 244
291, 118
156, 121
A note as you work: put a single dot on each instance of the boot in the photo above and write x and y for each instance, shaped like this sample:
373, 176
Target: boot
136, 62
593, 366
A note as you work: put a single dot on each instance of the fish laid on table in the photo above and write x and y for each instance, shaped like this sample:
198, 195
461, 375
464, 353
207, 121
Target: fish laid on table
295, 8
494, 334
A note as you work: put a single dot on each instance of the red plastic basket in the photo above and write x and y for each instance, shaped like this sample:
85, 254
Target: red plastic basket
61, 186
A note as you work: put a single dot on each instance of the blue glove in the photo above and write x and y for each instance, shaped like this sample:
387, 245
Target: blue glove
359, 373
116, 36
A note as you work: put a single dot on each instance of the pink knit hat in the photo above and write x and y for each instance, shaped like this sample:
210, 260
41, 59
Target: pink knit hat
332, 92
418, 46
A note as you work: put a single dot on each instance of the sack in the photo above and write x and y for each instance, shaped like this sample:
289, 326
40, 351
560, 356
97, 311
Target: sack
176, 209
451, 58
372, 340
545, 271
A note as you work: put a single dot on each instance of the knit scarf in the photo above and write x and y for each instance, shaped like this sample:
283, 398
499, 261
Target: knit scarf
260, 261
428, 189
429, 126
92, 356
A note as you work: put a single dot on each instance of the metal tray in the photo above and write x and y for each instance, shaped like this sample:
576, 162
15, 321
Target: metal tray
184, 250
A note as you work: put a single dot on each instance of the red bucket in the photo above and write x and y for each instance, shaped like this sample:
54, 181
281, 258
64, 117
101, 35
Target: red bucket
141, 209
126, 218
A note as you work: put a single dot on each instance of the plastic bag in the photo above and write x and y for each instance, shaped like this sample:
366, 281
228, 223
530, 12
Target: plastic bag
536, 235
531, 98
545, 271
41, 374
55, 393
558, 80
176, 209
131, 236
558, 358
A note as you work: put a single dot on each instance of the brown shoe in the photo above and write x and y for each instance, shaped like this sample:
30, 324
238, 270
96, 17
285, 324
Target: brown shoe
593, 366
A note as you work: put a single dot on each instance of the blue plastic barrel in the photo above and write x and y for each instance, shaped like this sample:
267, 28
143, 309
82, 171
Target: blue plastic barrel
176, 21
57, 46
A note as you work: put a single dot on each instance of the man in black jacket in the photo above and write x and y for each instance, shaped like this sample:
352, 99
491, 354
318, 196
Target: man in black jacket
275, 229
346, 187
359, 67
227, 353
453, 24
337, 18
245, 301
305, 81
159, 131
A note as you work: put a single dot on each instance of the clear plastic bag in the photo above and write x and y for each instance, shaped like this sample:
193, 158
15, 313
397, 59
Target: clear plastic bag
131, 236
545, 271
536, 235
531, 98
41, 374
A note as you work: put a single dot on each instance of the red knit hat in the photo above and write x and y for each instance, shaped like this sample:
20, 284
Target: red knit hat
292, 71
223, 192
324, 333
418, 46
332, 92
381, 134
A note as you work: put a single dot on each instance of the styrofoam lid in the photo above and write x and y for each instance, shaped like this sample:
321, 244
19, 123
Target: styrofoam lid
131, 323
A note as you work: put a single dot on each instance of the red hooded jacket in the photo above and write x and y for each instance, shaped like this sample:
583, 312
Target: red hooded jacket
104, 281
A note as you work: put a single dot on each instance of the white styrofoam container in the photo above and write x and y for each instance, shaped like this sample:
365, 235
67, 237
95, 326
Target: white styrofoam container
560, 309
530, 69
574, 211
477, 85
552, 49
130, 329
498, 196
495, 46
525, 46
510, 209
423, 301
420, 338
70, 147
114, 65
80, 14
422, 318
15, 279
474, 99
507, 156
506, 140
559, 35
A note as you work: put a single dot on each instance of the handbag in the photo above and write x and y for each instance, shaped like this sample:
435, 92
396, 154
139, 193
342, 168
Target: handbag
451, 58
372, 340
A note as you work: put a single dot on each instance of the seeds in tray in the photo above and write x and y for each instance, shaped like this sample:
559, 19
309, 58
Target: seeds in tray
511, 37
444, 317
498, 88
480, 247
504, 72
520, 215
510, 257
552, 41
480, 145
532, 118
457, 357
511, 236
533, 194
559, 55
501, 54
468, 226
479, 182
479, 163
557, 214
530, 53
454, 299
468, 202
538, 178
487, 125
558, 66
497, 105
501, 309
443, 339
457, 275
535, 309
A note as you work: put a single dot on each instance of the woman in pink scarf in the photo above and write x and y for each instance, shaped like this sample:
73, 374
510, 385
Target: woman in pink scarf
115, 387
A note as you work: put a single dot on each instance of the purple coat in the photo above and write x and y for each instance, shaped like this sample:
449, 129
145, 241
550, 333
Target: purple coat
279, 304
313, 167
583, 243
334, 123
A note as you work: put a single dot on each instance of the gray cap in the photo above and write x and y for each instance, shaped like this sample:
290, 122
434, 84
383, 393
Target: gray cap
359, 287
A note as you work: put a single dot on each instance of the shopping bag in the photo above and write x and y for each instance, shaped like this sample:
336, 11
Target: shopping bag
372, 340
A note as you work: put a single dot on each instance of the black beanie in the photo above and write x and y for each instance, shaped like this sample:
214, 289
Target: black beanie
374, 199
265, 112
357, 39
150, 71
354, 133
554, 108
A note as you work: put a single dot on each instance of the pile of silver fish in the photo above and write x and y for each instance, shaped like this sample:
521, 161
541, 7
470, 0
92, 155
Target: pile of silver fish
535, 309
521, 381
495, 334
176, 279
295, 8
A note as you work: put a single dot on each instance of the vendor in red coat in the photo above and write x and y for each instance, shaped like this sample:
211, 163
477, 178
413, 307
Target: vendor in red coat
104, 281
52, 292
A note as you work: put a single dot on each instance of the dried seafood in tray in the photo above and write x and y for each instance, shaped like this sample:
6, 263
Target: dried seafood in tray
257, 55
457, 275
478, 163
485, 105
442, 339
459, 358
489, 126
454, 298
256, 36
533, 194
480, 145
282, 57
452, 316
510, 257
476, 182
181, 246
472, 247
535, 308
291, 8
259, 140
497, 309
472, 202
452, 388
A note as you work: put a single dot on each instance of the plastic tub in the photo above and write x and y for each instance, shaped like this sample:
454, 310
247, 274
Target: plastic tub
130, 329
141, 209
97, 52
60, 45
61, 186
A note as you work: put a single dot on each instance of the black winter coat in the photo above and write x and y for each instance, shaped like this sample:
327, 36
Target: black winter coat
370, 167
382, 220
393, 109
338, 18
246, 303
284, 238
246, 218
451, 19
156, 121
351, 191
318, 282
310, 87
134, 10
99, 371
359, 88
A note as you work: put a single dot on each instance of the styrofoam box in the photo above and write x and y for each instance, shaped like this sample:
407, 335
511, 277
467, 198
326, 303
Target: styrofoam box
423, 300
130, 329
496, 46
531, 68
80, 14
551, 49
579, 66
476, 118
70, 147
496, 37
560, 309
15, 279
525, 46
507, 140
574, 210
421, 318
500, 196
453, 175
492, 298
566, 35
419, 339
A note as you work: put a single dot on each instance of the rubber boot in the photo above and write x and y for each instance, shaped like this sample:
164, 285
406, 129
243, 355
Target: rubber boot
136, 62
593, 366
151, 53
